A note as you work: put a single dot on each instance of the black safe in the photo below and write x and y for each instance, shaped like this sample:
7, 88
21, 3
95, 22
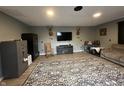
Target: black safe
13, 54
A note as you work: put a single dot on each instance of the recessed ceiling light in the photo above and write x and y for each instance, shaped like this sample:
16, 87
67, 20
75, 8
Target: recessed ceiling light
96, 15
78, 8
50, 13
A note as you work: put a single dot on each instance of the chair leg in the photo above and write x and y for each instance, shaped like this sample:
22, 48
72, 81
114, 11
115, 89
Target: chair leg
46, 54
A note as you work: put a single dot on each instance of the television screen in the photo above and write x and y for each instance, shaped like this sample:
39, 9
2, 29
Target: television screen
64, 36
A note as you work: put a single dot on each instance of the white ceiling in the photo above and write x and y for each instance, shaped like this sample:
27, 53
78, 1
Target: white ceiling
64, 15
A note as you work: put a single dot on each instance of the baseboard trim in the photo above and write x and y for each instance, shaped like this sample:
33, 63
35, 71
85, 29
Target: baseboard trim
42, 54
78, 51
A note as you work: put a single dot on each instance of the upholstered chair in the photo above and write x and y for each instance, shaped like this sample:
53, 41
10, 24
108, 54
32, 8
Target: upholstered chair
48, 49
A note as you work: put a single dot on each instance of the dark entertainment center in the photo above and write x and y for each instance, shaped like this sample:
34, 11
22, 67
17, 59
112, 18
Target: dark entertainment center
64, 49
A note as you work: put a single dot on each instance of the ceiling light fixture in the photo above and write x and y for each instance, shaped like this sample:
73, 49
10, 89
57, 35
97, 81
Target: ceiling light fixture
50, 13
96, 15
78, 8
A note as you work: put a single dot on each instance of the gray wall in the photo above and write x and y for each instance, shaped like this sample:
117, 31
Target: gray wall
112, 34
86, 33
10, 29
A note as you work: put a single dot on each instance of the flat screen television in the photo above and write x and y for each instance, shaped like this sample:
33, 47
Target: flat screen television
64, 36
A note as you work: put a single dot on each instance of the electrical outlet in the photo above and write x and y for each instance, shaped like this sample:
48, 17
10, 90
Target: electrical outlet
41, 41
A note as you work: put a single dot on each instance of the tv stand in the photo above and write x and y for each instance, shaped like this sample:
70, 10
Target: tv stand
64, 49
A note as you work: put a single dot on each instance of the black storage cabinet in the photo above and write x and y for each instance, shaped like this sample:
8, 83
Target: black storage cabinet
32, 44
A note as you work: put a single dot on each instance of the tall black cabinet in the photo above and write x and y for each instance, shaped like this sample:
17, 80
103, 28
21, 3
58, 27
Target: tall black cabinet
121, 32
13, 55
32, 43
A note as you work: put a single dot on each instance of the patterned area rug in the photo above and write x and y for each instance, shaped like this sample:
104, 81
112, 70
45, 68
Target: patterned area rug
80, 69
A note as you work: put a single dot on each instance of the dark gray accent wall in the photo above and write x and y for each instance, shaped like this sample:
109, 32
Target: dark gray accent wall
0, 64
